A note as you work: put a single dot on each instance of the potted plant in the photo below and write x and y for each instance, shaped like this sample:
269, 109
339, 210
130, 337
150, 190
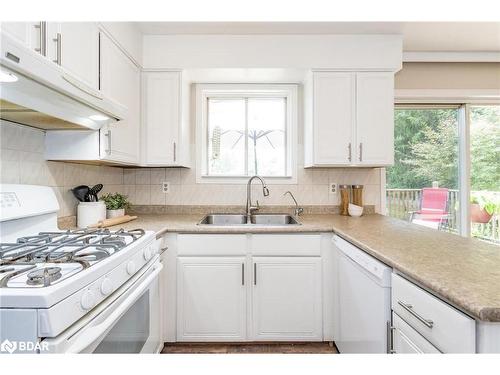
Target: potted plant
483, 206
115, 204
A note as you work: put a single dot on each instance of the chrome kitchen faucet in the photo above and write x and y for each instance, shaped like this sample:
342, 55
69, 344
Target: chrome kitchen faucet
265, 192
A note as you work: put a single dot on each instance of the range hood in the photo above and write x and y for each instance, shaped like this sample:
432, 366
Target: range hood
36, 92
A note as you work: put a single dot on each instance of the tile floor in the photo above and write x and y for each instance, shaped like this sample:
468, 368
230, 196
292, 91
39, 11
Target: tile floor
250, 348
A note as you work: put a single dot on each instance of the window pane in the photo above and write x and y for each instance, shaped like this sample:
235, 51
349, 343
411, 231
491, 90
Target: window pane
485, 172
422, 186
226, 137
267, 136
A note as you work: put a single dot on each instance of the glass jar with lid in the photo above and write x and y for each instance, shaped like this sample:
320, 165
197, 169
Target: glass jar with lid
345, 198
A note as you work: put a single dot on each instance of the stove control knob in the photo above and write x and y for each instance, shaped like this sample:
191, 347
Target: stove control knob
106, 286
147, 253
131, 267
88, 299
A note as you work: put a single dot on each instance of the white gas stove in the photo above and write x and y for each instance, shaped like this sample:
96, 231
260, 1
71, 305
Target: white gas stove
73, 291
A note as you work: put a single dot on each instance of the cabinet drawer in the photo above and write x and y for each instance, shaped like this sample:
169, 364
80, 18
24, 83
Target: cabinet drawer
211, 244
408, 341
445, 327
286, 244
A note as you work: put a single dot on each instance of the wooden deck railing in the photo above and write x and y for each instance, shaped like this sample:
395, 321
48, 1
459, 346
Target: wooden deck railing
401, 201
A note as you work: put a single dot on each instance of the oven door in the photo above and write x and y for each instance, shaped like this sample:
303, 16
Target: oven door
130, 323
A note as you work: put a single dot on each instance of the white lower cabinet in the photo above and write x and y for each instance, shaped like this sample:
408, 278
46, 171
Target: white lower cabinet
286, 297
443, 326
406, 340
211, 299
228, 290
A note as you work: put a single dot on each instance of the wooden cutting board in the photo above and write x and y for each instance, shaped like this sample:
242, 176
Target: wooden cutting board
114, 221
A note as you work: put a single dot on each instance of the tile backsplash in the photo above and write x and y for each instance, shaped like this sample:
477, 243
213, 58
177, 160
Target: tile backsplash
22, 161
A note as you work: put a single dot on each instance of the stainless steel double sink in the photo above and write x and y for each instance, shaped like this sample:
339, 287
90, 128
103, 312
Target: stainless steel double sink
241, 219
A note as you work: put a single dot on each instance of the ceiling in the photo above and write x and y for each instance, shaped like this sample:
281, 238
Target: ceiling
417, 36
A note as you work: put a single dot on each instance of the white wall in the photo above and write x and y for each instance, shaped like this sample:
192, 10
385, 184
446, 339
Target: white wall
379, 52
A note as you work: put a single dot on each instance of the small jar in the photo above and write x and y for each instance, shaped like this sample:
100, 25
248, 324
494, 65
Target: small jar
357, 195
344, 199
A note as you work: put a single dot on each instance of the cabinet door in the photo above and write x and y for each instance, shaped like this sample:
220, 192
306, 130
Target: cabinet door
28, 33
333, 118
287, 299
75, 46
408, 341
374, 119
211, 299
120, 81
161, 111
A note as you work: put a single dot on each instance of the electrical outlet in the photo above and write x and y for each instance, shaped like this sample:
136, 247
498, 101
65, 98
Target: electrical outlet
333, 188
166, 187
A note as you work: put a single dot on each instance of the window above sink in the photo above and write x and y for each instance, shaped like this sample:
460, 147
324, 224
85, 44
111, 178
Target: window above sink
246, 129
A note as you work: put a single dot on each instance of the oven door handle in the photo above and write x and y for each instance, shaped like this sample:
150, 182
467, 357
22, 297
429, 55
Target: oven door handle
92, 334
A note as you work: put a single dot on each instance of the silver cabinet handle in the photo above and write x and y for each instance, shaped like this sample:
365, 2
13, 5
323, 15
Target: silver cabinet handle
42, 26
361, 152
255, 274
108, 135
349, 147
175, 152
390, 340
408, 307
242, 273
58, 41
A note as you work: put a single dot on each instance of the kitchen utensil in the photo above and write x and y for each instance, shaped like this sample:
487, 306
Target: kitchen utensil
96, 189
115, 221
89, 197
80, 192
355, 210
89, 213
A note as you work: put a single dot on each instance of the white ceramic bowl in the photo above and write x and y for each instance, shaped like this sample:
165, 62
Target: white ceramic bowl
354, 210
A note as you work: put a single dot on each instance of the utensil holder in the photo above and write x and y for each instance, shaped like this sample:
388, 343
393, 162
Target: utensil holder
89, 213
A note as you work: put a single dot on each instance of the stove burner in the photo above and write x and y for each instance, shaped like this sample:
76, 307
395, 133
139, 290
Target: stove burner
43, 252
44, 276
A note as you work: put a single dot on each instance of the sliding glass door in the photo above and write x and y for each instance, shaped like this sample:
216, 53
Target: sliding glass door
423, 185
447, 167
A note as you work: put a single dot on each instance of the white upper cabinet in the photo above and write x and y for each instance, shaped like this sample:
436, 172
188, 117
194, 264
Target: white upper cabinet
120, 81
333, 115
375, 118
119, 142
31, 34
75, 46
349, 119
165, 119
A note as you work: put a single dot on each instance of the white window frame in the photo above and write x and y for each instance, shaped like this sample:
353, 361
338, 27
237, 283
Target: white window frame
204, 91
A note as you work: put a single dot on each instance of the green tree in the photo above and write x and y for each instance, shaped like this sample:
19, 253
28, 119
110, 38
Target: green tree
435, 157
485, 148
414, 127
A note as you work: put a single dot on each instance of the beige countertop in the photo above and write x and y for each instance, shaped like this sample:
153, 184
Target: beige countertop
465, 272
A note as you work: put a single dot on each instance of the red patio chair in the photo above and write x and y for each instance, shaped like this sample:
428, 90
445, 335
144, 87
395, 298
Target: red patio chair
433, 211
